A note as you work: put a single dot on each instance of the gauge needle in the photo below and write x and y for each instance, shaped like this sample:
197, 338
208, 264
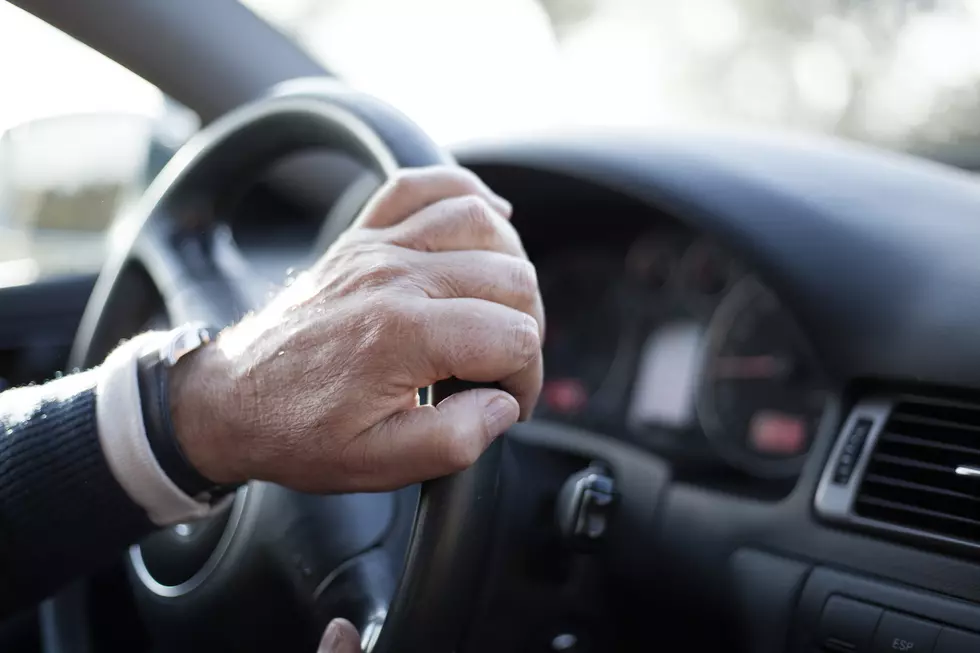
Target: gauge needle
750, 367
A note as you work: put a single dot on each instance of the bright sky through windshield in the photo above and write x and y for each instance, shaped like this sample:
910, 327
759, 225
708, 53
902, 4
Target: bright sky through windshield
46, 73
899, 72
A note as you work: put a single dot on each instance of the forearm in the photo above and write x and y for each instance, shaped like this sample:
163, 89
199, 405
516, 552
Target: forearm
79, 480
62, 511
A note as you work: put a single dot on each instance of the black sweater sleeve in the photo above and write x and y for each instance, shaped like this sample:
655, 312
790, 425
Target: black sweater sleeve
62, 513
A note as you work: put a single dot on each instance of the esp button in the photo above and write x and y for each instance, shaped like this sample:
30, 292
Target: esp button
900, 634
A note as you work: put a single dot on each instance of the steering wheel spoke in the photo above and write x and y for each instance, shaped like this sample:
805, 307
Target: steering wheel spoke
200, 273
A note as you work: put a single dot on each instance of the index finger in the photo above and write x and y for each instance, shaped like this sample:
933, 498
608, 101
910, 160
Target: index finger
481, 341
413, 189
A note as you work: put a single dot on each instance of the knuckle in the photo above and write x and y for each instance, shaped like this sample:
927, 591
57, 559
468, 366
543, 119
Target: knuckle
391, 327
461, 451
399, 316
380, 268
525, 340
377, 274
524, 281
464, 178
402, 184
436, 282
408, 182
475, 213
355, 458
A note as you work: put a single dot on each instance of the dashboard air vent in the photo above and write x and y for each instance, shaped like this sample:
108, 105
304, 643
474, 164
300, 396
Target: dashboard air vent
924, 473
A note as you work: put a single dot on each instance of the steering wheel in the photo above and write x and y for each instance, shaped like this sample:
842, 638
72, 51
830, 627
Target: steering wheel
268, 572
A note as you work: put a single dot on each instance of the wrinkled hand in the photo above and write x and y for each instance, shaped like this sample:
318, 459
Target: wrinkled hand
318, 390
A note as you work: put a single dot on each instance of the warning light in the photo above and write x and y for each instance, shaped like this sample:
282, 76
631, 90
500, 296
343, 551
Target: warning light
565, 396
777, 434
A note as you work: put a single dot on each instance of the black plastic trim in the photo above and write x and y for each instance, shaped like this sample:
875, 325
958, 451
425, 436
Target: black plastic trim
824, 582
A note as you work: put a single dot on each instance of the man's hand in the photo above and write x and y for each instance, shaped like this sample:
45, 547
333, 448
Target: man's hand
318, 390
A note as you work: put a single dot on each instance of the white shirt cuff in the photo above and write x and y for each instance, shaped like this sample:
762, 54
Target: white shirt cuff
122, 435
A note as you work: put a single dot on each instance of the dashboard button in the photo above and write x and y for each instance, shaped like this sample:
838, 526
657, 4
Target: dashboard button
852, 449
847, 626
900, 634
957, 641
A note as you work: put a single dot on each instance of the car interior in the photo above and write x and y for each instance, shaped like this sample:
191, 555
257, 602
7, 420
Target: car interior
760, 424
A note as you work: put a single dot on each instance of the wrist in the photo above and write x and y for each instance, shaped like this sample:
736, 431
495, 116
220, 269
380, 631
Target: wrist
198, 398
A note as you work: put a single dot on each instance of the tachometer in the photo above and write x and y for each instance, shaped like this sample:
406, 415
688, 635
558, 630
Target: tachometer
762, 392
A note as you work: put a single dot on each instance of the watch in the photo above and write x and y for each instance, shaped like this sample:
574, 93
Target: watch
153, 372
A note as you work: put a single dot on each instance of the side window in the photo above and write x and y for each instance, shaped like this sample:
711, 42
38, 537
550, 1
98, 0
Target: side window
80, 137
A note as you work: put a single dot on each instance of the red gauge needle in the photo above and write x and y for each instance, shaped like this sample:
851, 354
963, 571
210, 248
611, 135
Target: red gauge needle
750, 367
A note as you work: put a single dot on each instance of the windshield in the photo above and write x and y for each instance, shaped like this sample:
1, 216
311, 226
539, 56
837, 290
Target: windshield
903, 73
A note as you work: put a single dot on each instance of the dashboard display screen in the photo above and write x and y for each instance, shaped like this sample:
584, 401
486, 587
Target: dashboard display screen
667, 377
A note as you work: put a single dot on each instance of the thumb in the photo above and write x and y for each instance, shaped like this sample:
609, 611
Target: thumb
430, 441
340, 637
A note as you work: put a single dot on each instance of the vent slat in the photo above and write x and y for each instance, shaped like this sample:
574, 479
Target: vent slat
909, 462
932, 421
932, 444
903, 507
911, 478
919, 404
909, 485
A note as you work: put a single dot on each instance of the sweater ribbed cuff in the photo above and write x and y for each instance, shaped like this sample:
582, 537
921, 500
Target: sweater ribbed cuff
62, 511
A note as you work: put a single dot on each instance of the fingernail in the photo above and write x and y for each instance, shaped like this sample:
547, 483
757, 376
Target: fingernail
331, 637
501, 413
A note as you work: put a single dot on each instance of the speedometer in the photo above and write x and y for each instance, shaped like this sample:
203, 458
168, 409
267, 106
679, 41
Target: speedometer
762, 393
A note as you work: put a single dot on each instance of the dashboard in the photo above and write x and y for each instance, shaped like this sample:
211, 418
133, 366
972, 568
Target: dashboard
769, 343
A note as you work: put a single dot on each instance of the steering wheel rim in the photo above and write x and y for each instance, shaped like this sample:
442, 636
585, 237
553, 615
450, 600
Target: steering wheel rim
431, 604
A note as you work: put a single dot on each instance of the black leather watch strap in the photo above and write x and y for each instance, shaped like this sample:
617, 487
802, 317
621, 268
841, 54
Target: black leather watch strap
154, 386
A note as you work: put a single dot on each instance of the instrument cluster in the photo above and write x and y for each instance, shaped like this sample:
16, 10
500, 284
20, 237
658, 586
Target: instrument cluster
675, 344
